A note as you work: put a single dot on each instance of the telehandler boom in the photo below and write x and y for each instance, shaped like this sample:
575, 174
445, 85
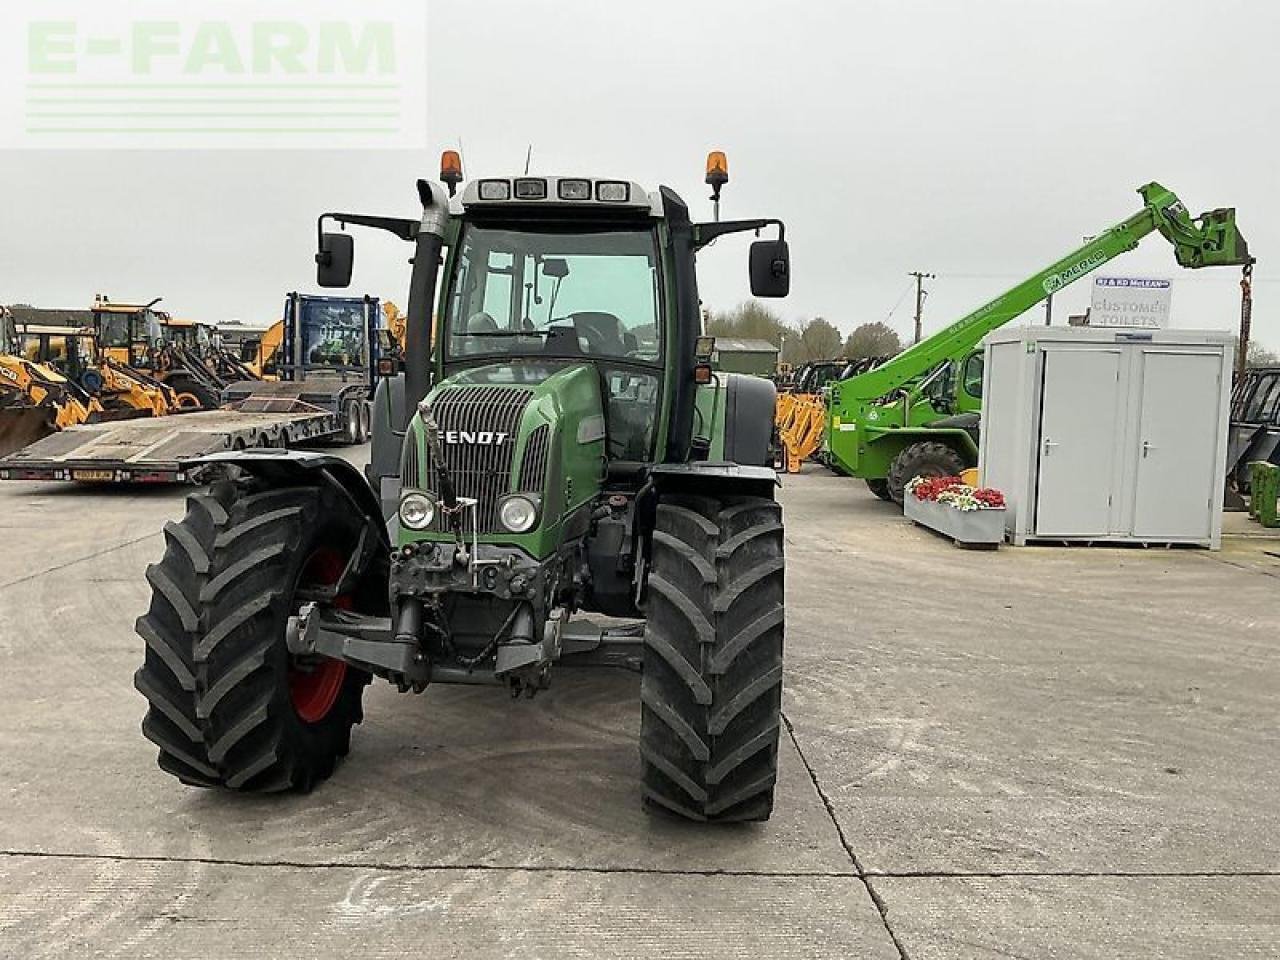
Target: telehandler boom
917, 413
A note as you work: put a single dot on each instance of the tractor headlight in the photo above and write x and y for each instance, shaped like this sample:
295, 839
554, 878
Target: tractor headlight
495, 190
417, 510
575, 189
518, 513
613, 192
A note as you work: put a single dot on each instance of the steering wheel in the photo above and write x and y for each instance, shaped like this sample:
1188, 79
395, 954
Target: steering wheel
481, 323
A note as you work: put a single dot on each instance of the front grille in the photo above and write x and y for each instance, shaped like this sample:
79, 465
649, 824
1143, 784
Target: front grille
410, 467
479, 470
533, 469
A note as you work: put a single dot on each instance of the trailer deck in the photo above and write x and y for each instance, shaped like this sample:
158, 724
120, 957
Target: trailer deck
158, 449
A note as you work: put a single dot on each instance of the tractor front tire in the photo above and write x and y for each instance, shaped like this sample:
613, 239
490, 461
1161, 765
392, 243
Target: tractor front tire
229, 706
928, 458
711, 694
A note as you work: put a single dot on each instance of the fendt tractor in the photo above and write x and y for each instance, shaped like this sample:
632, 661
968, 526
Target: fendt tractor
564, 447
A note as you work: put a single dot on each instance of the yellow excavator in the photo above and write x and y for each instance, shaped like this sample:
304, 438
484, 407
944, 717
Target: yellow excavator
35, 398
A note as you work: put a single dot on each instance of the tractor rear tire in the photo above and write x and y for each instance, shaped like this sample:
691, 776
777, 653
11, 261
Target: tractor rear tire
929, 458
880, 487
711, 694
229, 706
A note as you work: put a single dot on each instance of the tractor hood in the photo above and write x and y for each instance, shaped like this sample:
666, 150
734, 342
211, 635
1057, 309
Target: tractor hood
534, 430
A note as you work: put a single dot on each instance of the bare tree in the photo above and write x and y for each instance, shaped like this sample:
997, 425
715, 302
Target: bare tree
814, 339
1260, 356
872, 340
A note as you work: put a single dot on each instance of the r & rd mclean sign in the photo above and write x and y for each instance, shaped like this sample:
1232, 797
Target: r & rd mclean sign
1130, 302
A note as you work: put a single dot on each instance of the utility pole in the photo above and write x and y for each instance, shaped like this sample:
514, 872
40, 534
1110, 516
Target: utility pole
921, 293
1048, 310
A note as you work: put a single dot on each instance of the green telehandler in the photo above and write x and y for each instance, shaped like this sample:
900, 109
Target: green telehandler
918, 413
559, 442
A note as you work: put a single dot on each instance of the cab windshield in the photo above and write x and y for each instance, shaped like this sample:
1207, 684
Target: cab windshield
333, 334
114, 329
555, 292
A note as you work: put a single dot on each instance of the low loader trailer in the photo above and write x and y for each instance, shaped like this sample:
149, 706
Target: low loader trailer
332, 359
163, 449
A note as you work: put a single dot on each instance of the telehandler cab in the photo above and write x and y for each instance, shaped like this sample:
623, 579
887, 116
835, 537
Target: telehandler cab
564, 446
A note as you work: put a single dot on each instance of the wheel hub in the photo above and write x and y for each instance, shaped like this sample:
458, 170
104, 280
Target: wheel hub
314, 681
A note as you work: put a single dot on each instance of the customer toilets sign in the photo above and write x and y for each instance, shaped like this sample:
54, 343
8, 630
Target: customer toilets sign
1130, 302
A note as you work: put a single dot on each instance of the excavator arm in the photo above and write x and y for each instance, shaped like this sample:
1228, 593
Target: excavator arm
1210, 240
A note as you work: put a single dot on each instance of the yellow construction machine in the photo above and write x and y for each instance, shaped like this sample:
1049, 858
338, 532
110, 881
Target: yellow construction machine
146, 345
35, 398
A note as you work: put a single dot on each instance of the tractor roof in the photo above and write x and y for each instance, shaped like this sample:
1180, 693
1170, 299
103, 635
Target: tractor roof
590, 195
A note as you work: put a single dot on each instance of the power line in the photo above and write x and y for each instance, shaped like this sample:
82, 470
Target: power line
897, 303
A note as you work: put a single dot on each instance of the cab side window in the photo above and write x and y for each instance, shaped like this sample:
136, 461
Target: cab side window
972, 378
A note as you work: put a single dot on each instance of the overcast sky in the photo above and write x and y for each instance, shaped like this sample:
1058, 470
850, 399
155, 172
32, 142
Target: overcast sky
977, 140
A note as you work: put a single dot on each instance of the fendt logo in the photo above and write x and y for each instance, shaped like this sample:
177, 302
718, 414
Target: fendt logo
480, 438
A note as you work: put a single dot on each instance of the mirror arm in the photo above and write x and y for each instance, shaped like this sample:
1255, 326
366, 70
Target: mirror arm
704, 233
404, 229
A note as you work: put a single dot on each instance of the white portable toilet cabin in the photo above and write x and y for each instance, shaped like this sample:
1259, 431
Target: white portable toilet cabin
1107, 435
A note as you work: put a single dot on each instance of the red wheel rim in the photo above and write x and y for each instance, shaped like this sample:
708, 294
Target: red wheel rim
314, 689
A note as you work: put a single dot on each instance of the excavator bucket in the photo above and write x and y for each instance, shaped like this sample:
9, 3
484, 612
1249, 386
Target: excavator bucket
22, 426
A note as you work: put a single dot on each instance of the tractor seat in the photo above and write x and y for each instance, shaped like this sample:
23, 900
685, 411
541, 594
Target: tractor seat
603, 332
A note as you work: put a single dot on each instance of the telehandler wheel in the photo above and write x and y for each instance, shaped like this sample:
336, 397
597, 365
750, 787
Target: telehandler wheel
929, 458
880, 488
229, 705
711, 696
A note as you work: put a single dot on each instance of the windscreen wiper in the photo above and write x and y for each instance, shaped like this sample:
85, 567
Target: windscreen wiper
502, 333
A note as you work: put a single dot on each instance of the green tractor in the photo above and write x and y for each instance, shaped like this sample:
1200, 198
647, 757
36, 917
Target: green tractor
558, 443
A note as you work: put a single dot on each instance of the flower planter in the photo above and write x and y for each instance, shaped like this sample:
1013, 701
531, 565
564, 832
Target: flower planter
982, 529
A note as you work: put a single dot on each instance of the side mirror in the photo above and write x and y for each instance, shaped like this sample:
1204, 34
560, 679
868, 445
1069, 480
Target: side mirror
335, 259
555, 267
770, 268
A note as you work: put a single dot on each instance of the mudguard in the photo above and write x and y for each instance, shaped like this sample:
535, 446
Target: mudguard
748, 421
383, 470
970, 423
719, 479
285, 467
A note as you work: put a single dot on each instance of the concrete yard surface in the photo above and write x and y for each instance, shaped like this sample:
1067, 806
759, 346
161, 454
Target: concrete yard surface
1037, 752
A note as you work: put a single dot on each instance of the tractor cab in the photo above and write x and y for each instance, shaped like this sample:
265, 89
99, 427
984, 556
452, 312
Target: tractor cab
581, 285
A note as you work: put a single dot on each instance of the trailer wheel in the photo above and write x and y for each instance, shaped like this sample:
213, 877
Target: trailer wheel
351, 422
365, 417
929, 458
229, 706
711, 695
880, 487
